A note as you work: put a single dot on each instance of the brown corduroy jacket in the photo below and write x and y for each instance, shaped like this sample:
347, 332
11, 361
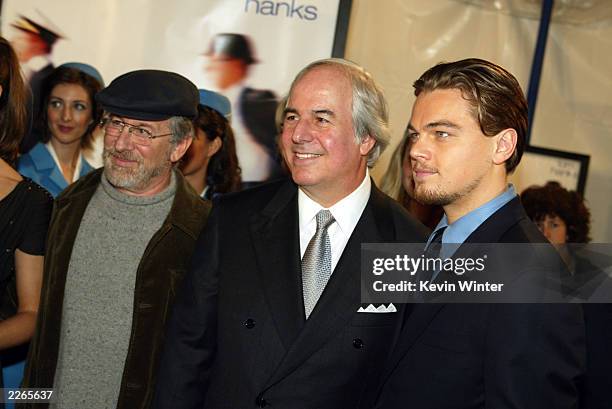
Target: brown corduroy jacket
159, 274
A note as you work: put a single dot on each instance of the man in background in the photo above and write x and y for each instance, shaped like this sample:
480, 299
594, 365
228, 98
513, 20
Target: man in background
229, 60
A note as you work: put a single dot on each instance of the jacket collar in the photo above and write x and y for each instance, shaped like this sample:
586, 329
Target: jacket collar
41, 157
183, 213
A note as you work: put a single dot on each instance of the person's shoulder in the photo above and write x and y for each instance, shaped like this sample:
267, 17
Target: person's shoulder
83, 184
35, 159
523, 231
26, 164
255, 198
406, 226
37, 194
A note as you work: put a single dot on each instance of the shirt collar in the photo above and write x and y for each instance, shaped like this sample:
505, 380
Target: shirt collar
461, 229
77, 168
346, 212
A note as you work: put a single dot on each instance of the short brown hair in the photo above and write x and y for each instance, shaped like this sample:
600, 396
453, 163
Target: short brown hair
495, 95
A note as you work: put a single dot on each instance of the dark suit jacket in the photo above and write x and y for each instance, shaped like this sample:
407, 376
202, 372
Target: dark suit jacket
238, 337
494, 356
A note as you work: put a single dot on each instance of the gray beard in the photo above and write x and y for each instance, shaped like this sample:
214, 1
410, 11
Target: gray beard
132, 179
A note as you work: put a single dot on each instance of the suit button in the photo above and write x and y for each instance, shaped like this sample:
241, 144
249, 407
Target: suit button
261, 402
357, 343
250, 323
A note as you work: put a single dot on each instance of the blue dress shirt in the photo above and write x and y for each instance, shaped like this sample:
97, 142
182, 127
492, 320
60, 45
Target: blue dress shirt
461, 229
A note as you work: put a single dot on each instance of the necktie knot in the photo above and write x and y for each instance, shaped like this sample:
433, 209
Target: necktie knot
324, 219
435, 245
437, 237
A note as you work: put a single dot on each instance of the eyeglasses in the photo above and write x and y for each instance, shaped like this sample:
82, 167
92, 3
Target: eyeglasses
141, 136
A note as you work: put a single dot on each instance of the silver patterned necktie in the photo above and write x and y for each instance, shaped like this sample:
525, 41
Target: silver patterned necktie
316, 263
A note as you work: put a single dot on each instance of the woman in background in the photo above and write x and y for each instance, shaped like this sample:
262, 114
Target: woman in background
24, 216
560, 214
211, 165
563, 218
69, 118
398, 183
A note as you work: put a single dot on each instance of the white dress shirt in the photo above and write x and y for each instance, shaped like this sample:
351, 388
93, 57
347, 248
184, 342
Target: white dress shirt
346, 212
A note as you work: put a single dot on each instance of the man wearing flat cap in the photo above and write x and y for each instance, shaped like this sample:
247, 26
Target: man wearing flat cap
120, 240
229, 58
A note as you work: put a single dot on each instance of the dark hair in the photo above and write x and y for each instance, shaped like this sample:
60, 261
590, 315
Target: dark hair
69, 75
223, 172
554, 200
495, 95
13, 116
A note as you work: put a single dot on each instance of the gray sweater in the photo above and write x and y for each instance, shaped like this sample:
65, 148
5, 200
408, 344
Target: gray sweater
99, 294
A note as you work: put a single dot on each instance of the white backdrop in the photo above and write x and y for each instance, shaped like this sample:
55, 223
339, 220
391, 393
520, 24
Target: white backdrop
117, 36
397, 40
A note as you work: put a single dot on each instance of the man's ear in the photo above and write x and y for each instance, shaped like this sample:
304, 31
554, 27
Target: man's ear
505, 145
366, 145
180, 149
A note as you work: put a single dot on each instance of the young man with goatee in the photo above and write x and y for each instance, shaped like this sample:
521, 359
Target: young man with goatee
468, 132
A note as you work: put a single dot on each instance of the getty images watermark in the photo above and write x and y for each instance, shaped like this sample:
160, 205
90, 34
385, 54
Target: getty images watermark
484, 273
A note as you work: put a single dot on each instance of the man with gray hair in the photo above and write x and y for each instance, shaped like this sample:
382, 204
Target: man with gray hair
120, 240
270, 312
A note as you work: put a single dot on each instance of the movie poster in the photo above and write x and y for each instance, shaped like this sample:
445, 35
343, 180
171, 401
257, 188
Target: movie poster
249, 50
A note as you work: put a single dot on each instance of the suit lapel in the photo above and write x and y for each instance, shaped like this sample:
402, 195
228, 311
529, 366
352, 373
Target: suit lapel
341, 297
275, 236
490, 231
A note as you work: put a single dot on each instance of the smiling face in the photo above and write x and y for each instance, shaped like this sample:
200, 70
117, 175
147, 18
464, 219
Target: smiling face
69, 113
453, 163
141, 170
318, 140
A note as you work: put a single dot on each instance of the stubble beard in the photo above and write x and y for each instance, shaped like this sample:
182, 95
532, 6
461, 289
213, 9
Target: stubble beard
436, 196
131, 178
